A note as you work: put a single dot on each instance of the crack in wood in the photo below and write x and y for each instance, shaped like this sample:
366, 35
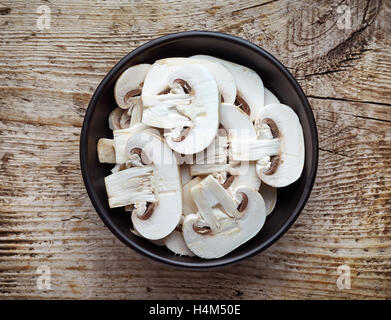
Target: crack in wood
254, 6
350, 100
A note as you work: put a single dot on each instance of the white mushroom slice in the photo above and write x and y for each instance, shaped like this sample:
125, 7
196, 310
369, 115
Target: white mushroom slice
121, 137
246, 177
224, 78
188, 205
130, 186
215, 244
250, 89
177, 244
129, 85
215, 194
237, 126
115, 119
135, 111
106, 152
269, 195
159, 242
204, 208
157, 219
190, 110
236, 122
269, 97
284, 124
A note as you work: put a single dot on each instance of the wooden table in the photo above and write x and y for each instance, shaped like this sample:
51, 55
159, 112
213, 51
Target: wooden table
338, 50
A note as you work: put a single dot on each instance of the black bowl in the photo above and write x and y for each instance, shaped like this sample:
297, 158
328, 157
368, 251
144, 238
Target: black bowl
276, 78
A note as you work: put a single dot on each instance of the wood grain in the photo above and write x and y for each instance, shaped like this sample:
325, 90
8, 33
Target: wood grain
48, 76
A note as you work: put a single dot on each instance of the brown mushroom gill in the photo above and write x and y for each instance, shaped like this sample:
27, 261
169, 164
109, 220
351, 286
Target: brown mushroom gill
131, 94
201, 230
149, 211
186, 87
242, 104
243, 204
274, 160
227, 183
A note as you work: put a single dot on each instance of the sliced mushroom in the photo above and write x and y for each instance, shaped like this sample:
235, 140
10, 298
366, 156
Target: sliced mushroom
269, 97
159, 242
269, 195
122, 136
159, 219
189, 111
188, 205
215, 194
115, 119
286, 167
130, 186
106, 152
224, 78
177, 244
129, 85
238, 126
250, 90
215, 244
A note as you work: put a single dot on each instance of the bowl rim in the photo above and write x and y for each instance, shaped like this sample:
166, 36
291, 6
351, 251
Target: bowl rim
206, 264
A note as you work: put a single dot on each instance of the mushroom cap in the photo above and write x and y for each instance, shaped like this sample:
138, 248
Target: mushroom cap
166, 185
248, 177
248, 83
269, 97
269, 195
197, 110
239, 125
177, 244
291, 144
236, 122
131, 79
216, 245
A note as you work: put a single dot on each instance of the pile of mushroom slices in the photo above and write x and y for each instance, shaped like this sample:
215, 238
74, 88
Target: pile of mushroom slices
199, 147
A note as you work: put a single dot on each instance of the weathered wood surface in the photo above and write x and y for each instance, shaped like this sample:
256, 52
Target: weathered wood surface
48, 76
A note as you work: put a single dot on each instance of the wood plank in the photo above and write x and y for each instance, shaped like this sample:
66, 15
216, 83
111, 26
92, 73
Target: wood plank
48, 76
